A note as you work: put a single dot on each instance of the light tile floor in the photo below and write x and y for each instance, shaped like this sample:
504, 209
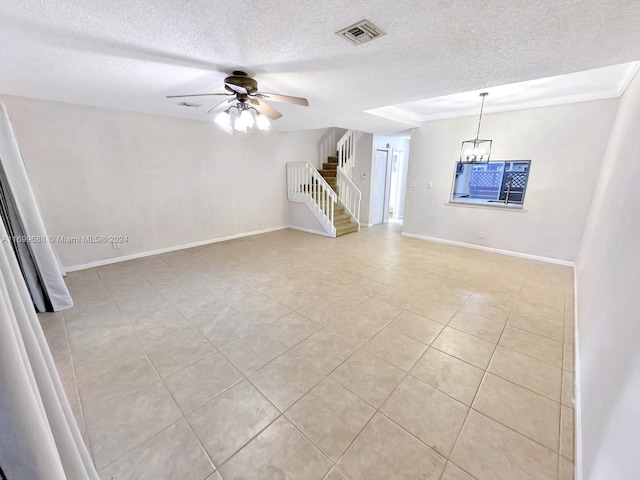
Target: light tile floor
294, 356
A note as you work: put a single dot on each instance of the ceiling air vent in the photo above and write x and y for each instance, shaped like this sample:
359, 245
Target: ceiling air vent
360, 32
190, 105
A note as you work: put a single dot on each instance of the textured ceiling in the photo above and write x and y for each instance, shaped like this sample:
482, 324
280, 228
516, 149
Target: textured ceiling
596, 84
130, 54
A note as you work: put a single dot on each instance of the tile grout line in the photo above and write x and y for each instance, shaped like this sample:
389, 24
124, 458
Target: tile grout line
377, 410
408, 372
184, 417
161, 378
466, 419
405, 373
77, 387
246, 377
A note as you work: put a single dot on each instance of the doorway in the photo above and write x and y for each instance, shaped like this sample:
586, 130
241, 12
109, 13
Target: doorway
380, 186
388, 186
397, 184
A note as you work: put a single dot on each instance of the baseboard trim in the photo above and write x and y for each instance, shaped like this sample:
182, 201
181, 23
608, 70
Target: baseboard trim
309, 230
510, 253
577, 403
125, 258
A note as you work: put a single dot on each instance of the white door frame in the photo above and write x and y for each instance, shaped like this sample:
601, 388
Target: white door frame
386, 185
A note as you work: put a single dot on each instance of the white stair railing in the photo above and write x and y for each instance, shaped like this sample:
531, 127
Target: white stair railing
306, 185
347, 151
348, 195
327, 145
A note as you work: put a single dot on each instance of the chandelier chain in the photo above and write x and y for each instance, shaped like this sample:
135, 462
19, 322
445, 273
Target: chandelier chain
483, 95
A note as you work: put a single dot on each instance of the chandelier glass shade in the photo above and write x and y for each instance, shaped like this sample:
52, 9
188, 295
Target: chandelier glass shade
241, 117
476, 150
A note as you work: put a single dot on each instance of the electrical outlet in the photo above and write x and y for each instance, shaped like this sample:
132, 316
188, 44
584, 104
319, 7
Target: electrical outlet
412, 184
481, 234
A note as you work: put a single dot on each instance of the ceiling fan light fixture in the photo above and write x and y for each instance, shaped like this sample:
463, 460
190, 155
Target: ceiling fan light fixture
223, 120
242, 117
239, 124
248, 108
247, 118
262, 122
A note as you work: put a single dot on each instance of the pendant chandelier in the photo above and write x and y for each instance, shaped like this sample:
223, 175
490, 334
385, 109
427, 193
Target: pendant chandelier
476, 150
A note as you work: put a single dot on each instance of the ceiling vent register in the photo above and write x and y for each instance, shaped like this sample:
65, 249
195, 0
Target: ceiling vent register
361, 32
189, 104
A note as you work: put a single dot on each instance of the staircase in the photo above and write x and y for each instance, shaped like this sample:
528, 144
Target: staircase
341, 219
329, 192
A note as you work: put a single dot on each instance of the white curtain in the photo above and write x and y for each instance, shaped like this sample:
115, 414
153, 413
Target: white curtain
46, 262
39, 437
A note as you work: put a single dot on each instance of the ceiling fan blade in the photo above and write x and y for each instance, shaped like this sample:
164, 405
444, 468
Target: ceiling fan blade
275, 97
221, 105
236, 88
265, 109
198, 95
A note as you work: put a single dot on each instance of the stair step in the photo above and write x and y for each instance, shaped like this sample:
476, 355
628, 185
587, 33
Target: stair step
339, 223
328, 173
347, 228
333, 159
329, 166
337, 217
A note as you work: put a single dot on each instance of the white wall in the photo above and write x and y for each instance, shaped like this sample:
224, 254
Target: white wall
364, 148
161, 181
302, 218
566, 145
608, 308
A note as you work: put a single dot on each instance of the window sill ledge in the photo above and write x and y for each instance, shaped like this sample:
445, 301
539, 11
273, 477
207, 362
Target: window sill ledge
497, 206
